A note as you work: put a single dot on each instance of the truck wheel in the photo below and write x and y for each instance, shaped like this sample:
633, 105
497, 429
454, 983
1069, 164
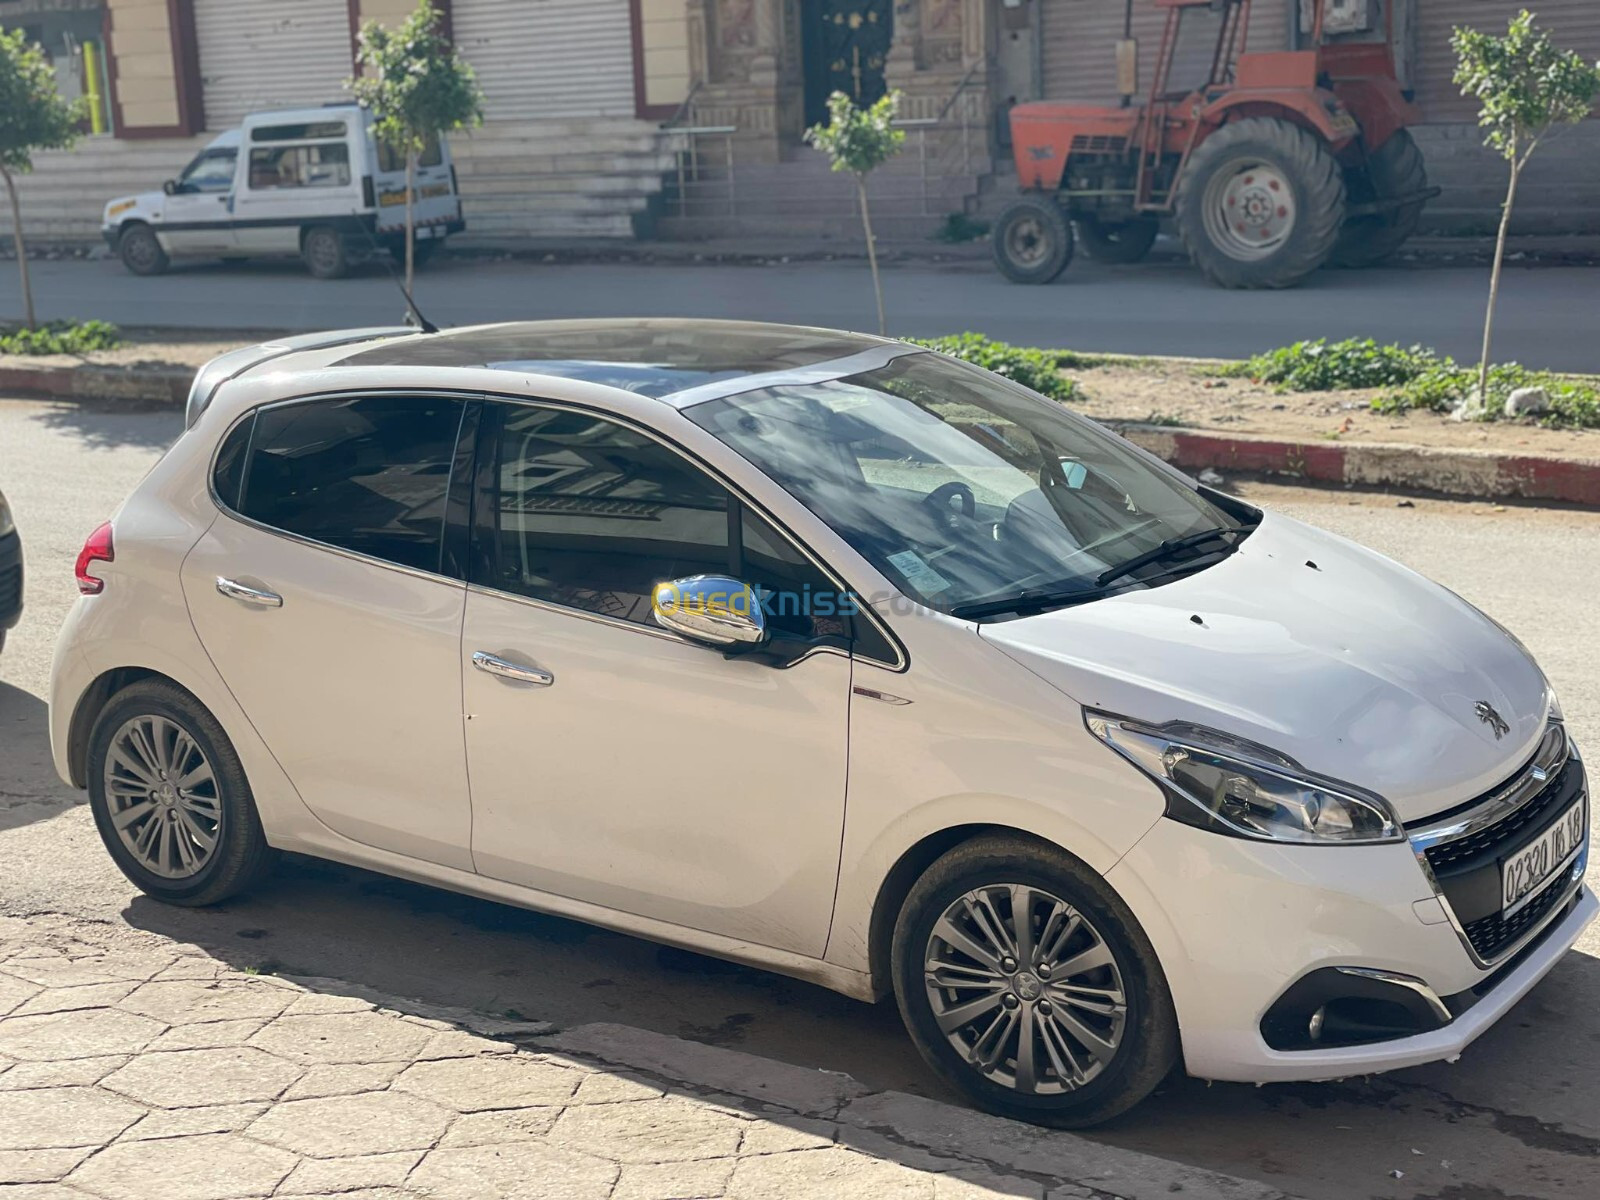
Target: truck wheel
1032, 241
141, 251
1394, 169
322, 248
1261, 204
1121, 243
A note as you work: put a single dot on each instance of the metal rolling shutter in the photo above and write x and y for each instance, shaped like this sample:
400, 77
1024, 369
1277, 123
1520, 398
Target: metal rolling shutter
548, 58
1575, 25
1079, 37
277, 54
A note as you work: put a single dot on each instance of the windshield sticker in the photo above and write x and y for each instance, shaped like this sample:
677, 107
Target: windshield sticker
918, 573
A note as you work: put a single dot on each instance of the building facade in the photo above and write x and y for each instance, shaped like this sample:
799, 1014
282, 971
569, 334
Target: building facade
594, 107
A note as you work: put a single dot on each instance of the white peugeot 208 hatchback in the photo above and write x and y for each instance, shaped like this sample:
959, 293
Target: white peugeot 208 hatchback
838, 657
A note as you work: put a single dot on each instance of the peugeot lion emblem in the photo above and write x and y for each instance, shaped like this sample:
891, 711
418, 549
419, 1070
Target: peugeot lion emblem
1492, 719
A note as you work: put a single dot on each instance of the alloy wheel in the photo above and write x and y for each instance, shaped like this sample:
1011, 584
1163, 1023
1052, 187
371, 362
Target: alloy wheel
1250, 210
1025, 988
163, 797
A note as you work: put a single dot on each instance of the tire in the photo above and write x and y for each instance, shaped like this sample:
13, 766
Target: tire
140, 250
323, 249
1261, 204
1395, 169
1122, 243
1144, 1036
1032, 241
239, 856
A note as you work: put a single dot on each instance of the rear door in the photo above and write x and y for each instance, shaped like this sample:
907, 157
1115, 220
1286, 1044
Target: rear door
435, 203
326, 598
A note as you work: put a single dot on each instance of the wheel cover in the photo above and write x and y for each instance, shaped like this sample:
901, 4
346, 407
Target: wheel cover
141, 248
1027, 241
1025, 988
1249, 209
162, 797
323, 250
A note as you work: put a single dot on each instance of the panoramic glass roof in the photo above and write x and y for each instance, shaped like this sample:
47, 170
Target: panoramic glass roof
654, 357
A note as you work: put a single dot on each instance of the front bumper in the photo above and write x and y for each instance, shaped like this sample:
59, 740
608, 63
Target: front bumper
1235, 923
10, 580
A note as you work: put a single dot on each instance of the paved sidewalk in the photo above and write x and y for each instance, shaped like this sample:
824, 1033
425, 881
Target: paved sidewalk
133, 1068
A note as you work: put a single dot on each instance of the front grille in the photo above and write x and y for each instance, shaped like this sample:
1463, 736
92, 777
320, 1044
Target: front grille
1492, 839
1494, 934
1098, 143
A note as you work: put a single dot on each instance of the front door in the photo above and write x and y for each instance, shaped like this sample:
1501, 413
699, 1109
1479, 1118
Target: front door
846, 48
197, 217
613, 762
319, 594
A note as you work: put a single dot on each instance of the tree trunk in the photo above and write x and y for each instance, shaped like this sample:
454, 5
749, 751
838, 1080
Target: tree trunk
22, 251
1494, 282
411, 223
872, 253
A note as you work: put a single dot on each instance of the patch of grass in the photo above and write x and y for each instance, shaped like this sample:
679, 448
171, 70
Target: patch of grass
1032, 368
1574, 403
61, 337
958, 228
1323, 366
1226, 370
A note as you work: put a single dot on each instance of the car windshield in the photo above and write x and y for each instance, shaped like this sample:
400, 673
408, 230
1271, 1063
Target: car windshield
975, 495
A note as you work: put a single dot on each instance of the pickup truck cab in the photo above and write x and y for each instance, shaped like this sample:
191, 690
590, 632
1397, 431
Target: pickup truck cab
312, 182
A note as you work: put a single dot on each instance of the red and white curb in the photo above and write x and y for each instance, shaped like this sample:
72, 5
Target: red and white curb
1479, 474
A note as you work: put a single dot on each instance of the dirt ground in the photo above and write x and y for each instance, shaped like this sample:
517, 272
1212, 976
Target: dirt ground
1179, 394
1167, 392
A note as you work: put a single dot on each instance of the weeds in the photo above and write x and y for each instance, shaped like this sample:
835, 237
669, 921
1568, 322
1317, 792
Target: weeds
61, 337
1036, 369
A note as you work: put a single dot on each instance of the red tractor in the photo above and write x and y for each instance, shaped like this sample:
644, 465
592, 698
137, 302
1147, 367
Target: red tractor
1280, 162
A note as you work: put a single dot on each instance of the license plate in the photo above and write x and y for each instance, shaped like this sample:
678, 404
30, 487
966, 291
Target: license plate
1523, 873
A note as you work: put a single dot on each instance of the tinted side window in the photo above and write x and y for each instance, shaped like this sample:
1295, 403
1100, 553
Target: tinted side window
796, 597
368, 474
593, 515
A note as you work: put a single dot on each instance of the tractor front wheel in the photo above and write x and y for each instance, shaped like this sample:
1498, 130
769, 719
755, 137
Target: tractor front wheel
1261, 204
1121, 243
1032, 241
1394, 169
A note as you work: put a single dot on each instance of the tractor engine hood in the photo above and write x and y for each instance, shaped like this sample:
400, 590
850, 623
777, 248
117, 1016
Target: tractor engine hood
1352, 665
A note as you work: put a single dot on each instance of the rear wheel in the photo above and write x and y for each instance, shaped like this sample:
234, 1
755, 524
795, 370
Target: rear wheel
1123, 242
1395, 169
141, 251
1032, 241
322, 247
170, 798
1027, 984
1261, 204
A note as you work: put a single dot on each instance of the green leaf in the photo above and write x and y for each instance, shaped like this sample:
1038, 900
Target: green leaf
413, 82
33, 116
859, 140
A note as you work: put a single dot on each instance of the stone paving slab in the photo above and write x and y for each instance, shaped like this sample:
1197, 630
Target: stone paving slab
166, 1076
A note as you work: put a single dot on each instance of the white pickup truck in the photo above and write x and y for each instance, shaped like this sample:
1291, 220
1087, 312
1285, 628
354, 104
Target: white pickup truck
308, 181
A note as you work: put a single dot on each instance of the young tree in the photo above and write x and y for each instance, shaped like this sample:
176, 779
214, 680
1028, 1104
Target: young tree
417, 89
860, 140
33, 116
1525, 86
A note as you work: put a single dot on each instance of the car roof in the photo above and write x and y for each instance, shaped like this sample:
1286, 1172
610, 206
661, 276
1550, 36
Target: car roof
656, 357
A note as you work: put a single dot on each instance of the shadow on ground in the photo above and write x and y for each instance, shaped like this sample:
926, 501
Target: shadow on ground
32, 792
108, 427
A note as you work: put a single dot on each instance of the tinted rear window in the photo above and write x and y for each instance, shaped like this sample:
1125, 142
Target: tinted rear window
368, 474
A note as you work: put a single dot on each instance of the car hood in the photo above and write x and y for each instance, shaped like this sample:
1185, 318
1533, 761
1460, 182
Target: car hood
1350, 664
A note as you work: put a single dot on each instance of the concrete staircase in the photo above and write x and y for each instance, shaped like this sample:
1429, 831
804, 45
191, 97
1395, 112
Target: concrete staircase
538, 180
800, 198
66, 193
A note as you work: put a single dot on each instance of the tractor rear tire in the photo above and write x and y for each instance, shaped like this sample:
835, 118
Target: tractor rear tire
1261, 204
1119, 244
1394, 169
1033, 241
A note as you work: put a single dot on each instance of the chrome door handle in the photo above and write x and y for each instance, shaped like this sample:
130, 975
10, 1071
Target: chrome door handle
495, 665
234, 590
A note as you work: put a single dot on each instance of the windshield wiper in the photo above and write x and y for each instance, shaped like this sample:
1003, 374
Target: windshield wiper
1024, 602
1166, 550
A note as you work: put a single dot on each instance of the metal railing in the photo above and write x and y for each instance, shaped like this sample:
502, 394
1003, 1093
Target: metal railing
923, 127
688, 155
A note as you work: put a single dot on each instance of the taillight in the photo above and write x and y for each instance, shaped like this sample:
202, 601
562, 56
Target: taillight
97, 548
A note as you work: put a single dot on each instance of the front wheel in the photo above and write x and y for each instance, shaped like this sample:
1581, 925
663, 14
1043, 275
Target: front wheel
140, 250
1261, 204
1032, 241
170, 798
1028, 985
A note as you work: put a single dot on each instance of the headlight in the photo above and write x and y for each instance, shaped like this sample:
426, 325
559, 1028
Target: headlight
6, 523
1233, 786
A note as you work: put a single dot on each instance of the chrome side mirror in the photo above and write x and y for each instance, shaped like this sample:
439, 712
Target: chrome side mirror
712, 609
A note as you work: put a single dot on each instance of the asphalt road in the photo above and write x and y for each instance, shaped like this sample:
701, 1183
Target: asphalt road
1546, 317
1519, 1116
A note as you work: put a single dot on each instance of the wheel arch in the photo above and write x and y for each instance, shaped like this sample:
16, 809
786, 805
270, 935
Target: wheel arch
1327, 119
92, 702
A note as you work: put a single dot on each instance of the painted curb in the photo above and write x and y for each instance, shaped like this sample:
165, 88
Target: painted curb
1478, 474
86, 381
